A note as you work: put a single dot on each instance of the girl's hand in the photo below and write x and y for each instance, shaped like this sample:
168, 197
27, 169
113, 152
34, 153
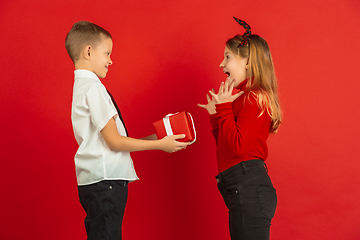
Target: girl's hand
225, 93
210, 106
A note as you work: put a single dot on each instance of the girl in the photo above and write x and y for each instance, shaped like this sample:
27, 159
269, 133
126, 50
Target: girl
242, 114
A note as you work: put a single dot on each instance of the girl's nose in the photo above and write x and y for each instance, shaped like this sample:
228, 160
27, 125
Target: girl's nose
222, 64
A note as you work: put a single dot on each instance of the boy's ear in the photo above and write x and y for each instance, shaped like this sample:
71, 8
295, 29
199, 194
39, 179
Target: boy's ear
87, 52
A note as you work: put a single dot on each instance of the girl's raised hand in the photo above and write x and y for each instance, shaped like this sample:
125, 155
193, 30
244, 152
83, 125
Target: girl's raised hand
225, 93
210, 106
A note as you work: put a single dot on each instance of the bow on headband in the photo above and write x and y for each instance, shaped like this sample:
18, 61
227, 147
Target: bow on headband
247, 33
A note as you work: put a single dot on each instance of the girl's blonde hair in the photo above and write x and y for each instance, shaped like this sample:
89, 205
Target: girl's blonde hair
262, 73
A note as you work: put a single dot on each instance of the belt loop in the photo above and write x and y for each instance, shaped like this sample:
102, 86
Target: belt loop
266, 167
246, 171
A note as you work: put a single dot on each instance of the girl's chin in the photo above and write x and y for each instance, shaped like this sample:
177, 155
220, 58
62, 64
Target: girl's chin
229, 78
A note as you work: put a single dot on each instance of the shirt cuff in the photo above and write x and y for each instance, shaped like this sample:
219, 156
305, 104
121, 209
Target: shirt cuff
223, 109
214, 120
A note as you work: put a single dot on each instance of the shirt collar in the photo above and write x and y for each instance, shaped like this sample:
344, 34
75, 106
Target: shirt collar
242, 85
82, 73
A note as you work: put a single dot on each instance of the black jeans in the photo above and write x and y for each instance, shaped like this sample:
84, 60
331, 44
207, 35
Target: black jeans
251, 199
104, 203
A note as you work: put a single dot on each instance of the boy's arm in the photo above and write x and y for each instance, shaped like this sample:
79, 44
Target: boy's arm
151, 137
116, 142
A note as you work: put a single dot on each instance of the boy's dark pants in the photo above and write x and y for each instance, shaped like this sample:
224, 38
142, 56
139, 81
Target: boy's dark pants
251, 199
104, 203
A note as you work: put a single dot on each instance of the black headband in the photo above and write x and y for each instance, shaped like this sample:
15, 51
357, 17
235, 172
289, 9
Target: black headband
247, 33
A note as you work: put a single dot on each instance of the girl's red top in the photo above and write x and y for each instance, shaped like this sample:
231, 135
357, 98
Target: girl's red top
239, 130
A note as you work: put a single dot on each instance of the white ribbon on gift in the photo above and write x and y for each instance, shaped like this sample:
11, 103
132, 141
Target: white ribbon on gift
168, 128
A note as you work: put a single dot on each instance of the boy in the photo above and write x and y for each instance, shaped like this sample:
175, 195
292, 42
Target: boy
103, 163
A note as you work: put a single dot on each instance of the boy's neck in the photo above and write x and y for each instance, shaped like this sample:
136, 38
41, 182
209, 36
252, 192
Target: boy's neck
82, 65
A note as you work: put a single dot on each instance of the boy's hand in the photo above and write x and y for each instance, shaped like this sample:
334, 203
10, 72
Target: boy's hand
170, 145
210, 106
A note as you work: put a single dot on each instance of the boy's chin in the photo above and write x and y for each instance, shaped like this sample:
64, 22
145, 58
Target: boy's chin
101, 75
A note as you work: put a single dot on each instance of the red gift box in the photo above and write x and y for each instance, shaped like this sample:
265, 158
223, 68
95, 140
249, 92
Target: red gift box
178, 123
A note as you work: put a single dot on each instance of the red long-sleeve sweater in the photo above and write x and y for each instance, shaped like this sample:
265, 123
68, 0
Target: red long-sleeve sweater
239, 131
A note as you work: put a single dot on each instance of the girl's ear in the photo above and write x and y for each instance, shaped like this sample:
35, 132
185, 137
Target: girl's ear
247, 64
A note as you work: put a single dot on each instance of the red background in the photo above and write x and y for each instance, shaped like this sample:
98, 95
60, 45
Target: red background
166, 57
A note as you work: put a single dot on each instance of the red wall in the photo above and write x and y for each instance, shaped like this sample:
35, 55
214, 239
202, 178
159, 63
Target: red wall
166, 57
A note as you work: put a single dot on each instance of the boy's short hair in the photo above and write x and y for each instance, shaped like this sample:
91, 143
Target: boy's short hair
83, 33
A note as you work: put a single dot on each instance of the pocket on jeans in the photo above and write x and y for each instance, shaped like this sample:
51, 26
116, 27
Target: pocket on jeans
268, 201
89, 196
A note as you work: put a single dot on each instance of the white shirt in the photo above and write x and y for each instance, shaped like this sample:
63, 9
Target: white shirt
92, 108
